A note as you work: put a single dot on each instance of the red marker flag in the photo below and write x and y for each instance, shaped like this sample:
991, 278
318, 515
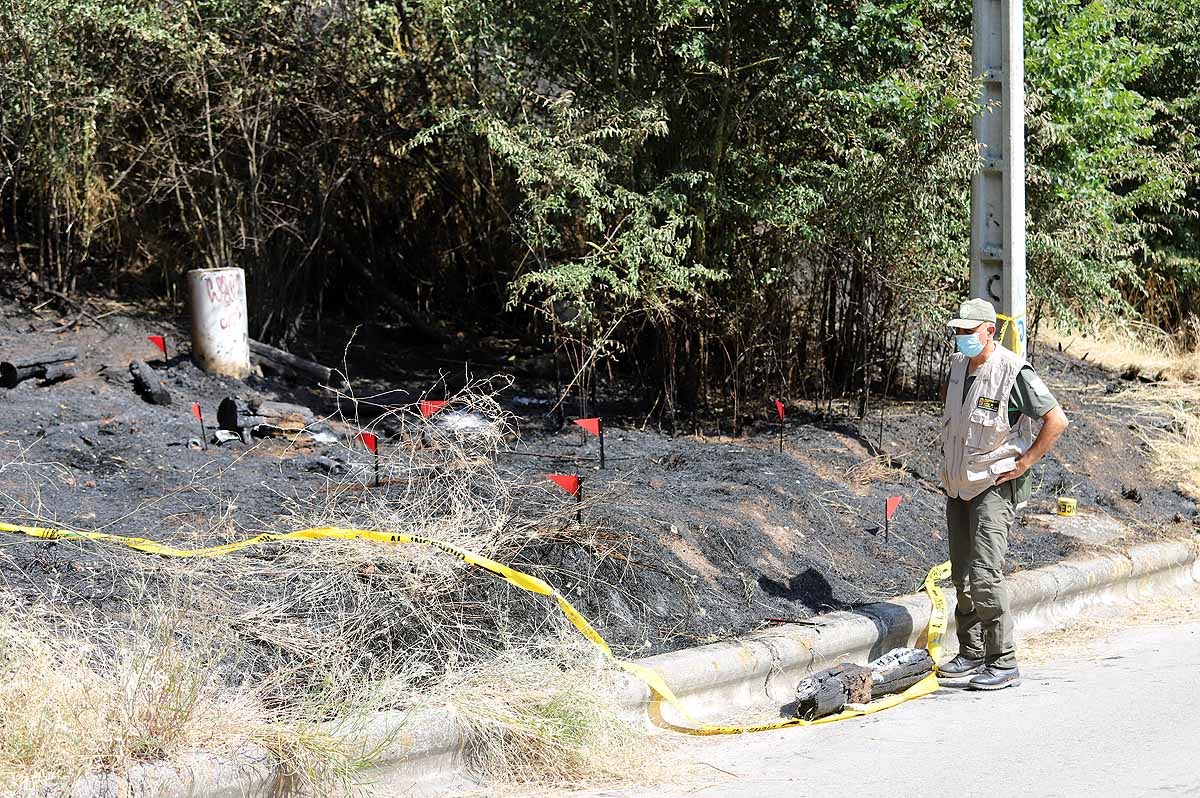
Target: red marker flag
158, 341
372, 444
779, 410
567, 482
199, 415
592, 425
892, 503
431, 406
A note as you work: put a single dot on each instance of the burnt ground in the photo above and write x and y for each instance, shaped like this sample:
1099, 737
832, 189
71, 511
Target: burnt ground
695, 537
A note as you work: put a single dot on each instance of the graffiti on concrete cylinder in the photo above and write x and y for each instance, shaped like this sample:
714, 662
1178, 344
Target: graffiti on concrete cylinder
224, 290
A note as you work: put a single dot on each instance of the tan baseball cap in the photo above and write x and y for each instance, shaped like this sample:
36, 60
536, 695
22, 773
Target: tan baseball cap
972, 313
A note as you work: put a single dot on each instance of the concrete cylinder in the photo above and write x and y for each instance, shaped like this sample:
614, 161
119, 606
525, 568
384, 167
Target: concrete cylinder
220, 338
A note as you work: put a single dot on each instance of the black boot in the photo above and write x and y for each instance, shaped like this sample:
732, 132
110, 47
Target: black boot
993, 678
960, 666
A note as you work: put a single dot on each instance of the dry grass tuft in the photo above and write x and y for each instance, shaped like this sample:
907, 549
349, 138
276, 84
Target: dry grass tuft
546, 715
70, 706
1176, 444
880, 468
1166, 416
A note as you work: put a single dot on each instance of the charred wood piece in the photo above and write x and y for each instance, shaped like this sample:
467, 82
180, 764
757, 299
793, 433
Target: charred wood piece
148, 385
827, 692
58, 372
280, 362
47, 366
262, 418
898, 670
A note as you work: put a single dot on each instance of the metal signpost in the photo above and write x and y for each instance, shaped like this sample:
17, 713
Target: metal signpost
998, 188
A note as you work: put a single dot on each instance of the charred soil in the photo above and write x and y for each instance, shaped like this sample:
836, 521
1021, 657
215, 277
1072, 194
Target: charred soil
689, 538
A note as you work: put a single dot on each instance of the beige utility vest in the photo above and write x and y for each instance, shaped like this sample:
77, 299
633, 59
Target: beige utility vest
978, 443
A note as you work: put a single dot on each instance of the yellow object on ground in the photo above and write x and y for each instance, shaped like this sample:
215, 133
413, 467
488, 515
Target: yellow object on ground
1066, 506
652, 678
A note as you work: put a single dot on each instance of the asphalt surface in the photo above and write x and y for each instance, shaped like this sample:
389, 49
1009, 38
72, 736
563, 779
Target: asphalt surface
1110, 710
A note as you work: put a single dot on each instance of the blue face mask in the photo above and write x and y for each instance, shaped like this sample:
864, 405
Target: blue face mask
969, 345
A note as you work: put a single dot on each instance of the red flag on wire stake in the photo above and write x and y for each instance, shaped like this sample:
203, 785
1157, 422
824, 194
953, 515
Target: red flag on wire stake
158, 341
573, 485
779, 410
889, 509
596, 427
592, 425
431, 406
892, 503
199, 415
372, 444
568, 482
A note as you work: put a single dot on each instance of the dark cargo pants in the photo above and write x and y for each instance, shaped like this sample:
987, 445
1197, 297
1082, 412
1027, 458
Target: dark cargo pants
978, 531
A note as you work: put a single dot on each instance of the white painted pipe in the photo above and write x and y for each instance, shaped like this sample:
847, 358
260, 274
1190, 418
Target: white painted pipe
220, 338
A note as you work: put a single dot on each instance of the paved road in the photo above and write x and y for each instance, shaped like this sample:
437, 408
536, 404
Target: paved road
1117, 715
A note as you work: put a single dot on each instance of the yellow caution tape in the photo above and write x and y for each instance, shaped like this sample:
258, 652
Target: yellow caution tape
1016, 332
652, 678
937, 613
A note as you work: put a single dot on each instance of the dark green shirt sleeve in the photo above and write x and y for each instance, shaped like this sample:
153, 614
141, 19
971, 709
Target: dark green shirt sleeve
1030, 397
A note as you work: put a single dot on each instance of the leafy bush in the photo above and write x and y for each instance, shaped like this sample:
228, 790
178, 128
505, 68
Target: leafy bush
728, 199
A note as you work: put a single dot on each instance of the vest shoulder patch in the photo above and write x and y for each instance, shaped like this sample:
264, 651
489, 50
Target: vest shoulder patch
988, 404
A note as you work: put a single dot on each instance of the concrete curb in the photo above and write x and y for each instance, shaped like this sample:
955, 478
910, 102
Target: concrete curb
410, 750
764, 667
757, 670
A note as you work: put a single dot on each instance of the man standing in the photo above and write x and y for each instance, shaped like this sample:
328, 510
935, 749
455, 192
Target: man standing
987, 449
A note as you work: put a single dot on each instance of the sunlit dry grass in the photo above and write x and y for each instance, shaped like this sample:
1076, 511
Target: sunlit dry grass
548, 715
1160, 398
881, 468
1131, 348
70, 706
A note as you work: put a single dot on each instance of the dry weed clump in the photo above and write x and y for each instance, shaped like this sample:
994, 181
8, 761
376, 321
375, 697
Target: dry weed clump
546, 714
292, 646
407, 611
881, 468
70, 706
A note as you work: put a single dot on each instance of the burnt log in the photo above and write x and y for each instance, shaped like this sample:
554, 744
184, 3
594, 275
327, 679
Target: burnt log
827, 692
148, 385
280, 362
262, 418
898, 670
15, 371
57, 372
